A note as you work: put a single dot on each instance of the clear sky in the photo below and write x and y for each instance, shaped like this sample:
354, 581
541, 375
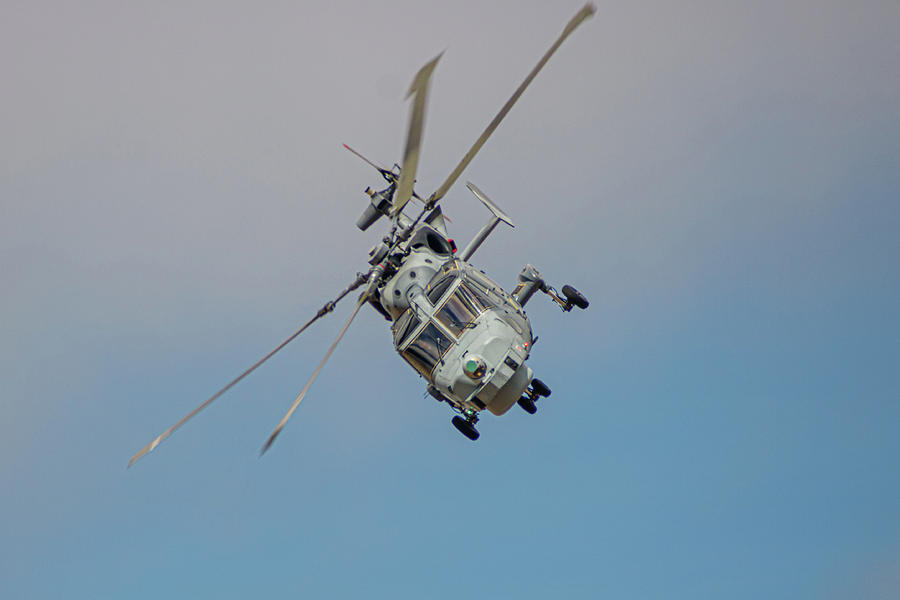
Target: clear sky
721, 179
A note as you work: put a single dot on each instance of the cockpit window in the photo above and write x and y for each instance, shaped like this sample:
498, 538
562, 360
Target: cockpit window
490, 296
481, 280
437, 288
476, 294
459, 311
427, 349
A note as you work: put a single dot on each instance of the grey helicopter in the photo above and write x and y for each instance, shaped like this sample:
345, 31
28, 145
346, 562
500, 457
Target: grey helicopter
458, 329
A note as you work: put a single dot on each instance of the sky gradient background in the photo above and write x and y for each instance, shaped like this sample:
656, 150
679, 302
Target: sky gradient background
721, 179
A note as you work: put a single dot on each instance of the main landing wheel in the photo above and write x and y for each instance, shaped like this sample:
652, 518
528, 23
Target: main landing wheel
539, 388
465, 428
575, 297
527, 405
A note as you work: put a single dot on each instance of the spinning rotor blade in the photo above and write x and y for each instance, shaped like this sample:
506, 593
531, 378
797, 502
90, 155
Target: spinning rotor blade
419, 88
322, 312
582, 14
284, 420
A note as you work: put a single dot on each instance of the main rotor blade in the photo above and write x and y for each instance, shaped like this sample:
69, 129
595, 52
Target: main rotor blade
582, 14
419, 88
315, 374
322, 312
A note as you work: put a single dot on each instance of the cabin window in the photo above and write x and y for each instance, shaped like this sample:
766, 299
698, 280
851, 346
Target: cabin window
427, 349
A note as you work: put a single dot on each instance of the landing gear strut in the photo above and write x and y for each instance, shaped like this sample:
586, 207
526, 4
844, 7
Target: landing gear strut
531, 281
572, 297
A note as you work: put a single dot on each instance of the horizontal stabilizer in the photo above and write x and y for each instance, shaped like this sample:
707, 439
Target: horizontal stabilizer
490, 205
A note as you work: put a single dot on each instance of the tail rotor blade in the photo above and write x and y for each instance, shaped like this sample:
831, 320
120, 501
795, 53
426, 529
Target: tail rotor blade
377, 167
582, 14
315, 374
322, 312
419, 89
389, 175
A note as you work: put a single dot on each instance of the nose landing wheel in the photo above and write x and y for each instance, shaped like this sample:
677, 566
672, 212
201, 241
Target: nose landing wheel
574, 297
466, 427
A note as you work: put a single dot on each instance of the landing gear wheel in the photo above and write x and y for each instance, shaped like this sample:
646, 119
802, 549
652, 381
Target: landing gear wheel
539, 388
527, 405
575, 297
465, 428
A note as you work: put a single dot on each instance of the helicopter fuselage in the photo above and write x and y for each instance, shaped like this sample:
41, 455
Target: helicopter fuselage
457, 328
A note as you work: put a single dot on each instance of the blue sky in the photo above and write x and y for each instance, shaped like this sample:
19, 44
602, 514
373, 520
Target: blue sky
719, 178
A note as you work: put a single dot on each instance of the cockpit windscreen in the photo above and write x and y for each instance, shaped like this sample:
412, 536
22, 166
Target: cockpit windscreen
459, 311
427, 349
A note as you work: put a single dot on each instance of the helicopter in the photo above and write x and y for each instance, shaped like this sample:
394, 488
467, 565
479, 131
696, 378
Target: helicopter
458, 329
